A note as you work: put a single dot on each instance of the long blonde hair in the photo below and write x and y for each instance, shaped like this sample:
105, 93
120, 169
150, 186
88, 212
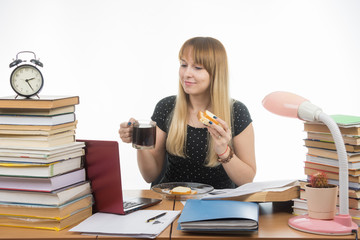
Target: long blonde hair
209, 53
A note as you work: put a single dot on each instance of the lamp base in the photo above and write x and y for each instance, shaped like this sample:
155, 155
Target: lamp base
340, 225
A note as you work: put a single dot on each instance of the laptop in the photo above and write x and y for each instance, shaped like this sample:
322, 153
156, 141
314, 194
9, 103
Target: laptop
102, 164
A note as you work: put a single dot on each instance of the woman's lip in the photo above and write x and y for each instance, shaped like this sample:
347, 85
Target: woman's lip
189, 83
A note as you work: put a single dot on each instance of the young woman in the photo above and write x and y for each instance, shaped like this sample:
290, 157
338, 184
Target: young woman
219, 155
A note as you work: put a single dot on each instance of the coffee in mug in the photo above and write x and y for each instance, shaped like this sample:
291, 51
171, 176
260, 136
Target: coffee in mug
144, 134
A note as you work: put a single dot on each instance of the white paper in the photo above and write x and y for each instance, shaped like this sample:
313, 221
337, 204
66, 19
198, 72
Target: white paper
133, 224
253, 187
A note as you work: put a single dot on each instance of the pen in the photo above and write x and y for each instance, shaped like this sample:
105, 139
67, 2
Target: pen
156, 217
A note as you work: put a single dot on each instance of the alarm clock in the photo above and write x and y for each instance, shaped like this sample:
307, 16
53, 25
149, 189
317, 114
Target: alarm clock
26, 79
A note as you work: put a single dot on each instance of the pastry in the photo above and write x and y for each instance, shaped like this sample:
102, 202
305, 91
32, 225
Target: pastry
182, 190
206, 116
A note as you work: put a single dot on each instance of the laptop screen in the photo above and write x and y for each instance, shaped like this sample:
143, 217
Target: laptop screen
102, 164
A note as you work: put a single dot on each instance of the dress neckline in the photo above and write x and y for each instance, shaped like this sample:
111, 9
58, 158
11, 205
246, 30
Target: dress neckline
201, 128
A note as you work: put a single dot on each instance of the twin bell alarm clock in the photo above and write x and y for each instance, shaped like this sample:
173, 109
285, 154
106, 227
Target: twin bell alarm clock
26, 79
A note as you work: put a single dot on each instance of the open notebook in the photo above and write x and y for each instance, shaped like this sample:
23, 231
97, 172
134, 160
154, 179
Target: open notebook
102, 163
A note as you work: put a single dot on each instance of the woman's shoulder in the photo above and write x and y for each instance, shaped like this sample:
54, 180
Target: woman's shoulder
241, 116
162, 112
168, 100
167, 103
239, 106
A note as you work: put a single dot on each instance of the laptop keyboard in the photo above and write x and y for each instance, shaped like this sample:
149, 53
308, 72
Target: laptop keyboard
129, 204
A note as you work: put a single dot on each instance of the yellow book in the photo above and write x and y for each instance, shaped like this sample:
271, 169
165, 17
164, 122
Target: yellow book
42, 128
44, 211
39, 169
44, 223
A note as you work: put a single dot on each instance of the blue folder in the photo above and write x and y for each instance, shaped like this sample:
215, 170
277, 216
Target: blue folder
219, 215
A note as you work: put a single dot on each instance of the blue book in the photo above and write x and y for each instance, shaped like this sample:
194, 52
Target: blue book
219, 216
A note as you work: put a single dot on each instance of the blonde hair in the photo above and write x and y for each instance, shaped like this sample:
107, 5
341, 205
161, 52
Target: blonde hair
211, 54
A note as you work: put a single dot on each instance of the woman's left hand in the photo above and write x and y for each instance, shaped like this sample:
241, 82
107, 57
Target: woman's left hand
221, 135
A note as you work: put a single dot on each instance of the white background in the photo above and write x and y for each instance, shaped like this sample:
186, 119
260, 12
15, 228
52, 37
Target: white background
120, 57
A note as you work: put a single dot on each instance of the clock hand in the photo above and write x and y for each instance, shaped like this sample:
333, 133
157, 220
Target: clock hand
27, 80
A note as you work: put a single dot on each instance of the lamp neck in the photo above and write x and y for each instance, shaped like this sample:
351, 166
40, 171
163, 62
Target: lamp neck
308, 111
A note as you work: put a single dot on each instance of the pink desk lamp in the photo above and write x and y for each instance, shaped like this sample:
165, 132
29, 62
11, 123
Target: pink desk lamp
291, 105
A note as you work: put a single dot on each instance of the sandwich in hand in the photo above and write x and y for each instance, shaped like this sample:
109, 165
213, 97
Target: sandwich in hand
206, 116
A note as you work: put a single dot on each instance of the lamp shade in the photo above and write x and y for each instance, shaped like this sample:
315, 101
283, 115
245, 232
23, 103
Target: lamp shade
291, 105
283, 103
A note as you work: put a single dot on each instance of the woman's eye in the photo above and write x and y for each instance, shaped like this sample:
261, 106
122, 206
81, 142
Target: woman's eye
198, 67
183, 65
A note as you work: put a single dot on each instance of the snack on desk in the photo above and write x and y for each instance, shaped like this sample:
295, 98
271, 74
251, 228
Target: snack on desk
206, 116
169, 191
182, 190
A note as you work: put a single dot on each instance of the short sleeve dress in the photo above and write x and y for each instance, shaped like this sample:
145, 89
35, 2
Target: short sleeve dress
192, 168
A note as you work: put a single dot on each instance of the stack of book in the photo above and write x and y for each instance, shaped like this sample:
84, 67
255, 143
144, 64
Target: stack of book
322, 156
42, 178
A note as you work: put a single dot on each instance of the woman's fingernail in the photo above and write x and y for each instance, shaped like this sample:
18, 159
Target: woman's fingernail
210, 122
215, 117
129, 123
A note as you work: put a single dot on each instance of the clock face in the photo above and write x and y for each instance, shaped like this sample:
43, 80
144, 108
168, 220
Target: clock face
26, 80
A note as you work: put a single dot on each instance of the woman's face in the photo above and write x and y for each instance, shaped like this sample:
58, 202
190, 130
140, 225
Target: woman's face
194, 79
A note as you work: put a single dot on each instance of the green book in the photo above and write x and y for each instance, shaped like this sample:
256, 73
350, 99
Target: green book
346, 120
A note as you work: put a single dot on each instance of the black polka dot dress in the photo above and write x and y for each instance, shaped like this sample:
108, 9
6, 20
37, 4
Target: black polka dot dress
192, 168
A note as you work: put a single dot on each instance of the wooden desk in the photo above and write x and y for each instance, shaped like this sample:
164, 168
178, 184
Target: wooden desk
12, 233
272, 225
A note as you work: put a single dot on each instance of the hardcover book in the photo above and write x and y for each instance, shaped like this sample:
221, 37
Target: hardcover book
37, 120
330, 145
55, 198
38, 112
39, 169
41, 154
348, 139
44, 102
42, 184
267, 191
327, 153
45, 211
39, 129
45, 223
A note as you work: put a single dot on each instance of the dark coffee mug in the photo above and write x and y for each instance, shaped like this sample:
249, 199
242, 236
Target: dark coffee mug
144, 134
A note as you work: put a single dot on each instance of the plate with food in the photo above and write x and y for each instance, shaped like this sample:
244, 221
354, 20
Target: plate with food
182, 190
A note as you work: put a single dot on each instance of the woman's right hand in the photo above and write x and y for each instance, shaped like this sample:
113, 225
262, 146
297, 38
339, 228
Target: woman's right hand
125, 131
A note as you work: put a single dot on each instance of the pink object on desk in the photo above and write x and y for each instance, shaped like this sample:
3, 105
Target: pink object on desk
291, 105
340, 225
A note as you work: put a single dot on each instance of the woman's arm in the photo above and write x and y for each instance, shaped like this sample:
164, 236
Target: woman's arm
151, 161
242, 167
